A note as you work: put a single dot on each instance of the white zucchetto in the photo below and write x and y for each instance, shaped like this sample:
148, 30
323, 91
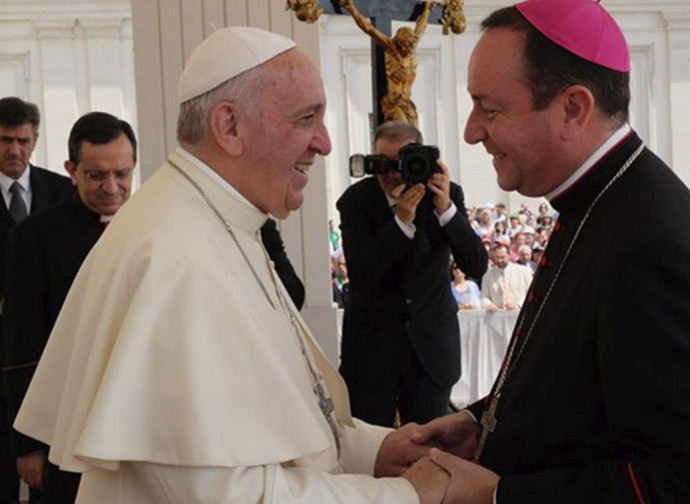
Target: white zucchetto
227, 53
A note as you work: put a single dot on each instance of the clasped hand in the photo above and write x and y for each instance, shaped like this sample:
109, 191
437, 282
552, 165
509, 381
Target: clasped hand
435, 459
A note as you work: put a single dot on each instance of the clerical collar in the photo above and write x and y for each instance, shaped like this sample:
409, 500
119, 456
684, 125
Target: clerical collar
609, 144
211, 173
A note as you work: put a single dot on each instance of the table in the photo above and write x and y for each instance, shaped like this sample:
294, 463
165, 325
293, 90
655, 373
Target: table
484, 340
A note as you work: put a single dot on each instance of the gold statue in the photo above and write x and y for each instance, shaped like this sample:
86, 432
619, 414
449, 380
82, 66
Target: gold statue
305, 10
453, 17
401, 62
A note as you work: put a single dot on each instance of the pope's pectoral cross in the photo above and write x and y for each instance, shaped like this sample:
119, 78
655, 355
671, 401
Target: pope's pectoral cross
325, 403
488, 423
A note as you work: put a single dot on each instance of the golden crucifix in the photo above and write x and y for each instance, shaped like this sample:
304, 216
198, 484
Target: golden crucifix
401, 62
399, 50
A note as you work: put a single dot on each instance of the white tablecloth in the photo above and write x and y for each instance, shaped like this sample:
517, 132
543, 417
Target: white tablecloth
484, 340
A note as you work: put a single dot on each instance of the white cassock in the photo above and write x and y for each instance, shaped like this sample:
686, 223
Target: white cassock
507, 285
172, 377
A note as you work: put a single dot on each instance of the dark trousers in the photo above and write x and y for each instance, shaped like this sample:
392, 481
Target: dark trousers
60, 487
9, 484
396, 383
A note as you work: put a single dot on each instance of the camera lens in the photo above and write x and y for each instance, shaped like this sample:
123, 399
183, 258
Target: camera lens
417, 166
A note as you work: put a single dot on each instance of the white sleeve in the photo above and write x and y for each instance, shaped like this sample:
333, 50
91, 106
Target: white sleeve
446, 216
360, 446
274, 484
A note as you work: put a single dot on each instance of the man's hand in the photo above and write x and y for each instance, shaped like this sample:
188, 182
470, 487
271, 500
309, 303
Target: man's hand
398, 452
31, 468
492, 308
457, 433
470, 482
429, 480
512, 306
439, 184
406, 201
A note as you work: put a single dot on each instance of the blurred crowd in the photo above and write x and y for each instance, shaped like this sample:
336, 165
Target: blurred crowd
515, 242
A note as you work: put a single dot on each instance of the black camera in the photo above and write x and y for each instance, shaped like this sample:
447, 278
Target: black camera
416, 163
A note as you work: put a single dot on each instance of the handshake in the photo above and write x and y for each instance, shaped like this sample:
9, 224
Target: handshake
436, 459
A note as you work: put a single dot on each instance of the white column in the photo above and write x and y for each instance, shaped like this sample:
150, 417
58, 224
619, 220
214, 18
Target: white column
679, 64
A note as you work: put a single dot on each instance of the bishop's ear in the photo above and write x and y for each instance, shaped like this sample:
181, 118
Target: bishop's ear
223, 130
578, 109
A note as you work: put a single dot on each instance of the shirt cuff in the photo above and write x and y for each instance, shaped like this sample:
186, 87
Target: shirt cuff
470, 414
446, 216
409, 231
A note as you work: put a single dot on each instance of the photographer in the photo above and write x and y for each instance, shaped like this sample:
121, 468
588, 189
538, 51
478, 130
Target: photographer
400, 344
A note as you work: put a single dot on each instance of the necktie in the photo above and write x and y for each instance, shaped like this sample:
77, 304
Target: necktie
17, 206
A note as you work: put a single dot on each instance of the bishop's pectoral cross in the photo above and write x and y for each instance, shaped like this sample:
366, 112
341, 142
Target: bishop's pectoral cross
488, 423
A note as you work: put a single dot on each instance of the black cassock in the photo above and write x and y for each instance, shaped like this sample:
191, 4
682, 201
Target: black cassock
597, 406
45, 252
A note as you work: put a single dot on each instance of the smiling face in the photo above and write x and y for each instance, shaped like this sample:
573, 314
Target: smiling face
284, 134
528, 155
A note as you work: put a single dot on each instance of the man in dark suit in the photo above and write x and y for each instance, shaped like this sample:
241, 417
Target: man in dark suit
25, 189
400, 344
592, 403
45, 252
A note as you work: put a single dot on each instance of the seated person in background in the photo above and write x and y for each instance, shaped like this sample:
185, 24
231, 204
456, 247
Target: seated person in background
340, 281
525, 258
485, 224
505, 285
465, 291
537, 252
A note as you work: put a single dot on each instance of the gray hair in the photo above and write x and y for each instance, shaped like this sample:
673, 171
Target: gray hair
192, 121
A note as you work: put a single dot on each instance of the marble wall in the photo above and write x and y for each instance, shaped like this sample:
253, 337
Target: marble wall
68, 57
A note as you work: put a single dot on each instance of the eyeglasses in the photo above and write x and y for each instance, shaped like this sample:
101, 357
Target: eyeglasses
101, 176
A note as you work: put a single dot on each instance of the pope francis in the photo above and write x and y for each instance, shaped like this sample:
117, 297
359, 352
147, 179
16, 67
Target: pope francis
179, 371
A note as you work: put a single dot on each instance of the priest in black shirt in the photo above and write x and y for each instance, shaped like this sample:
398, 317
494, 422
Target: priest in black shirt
45, 252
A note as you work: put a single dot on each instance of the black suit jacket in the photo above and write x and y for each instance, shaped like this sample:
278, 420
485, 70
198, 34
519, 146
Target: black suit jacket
400, 288
597, 407
47, 188
45, 252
